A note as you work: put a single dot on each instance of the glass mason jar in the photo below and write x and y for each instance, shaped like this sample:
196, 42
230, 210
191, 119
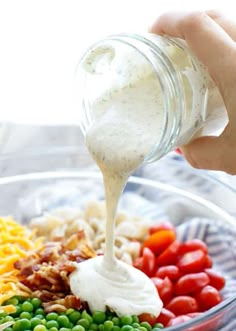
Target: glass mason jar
151, 67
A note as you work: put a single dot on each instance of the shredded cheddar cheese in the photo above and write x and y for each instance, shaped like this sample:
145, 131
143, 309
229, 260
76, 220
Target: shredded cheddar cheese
16, 241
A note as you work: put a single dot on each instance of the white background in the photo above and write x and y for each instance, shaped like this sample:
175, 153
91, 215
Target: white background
42, 41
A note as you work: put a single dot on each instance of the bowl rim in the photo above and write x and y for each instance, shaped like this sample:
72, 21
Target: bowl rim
95, 174
211, 313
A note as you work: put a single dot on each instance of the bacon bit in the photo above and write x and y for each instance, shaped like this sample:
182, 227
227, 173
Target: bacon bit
60, 305
46, 271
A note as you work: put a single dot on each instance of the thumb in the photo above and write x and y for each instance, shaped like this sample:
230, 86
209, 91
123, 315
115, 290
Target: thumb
211, 153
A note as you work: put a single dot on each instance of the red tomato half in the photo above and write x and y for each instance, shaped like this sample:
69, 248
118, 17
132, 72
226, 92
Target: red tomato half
159, 241
191, 283
193, 245
151, 319
149, 263
182, 305
146, 262
216, 280
170, 254
208, 297
164, 288
193, 261
165, 316
161, 226
208, 262
170, 271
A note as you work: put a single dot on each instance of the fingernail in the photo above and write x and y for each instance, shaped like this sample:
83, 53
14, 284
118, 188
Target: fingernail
178, 151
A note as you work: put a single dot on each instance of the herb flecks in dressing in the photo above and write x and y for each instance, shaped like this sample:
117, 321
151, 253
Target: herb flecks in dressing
125, 129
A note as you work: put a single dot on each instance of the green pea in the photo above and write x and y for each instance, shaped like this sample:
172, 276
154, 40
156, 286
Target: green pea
158, 325
65, 329
126, 328
22, 325
69, 311
116, 328
146, 325
87, 316
74, 316
63, 321
142, 328
52, 324
8, 318
36, 302
84, 322
13, 301
108, 325
53, 329
2, 314
51, 316
19, 298
156, 329
40, 328
26, 314
135, 325
35, 321
99, 317
78, 328
126, 320
27, 306
135, 319
39, 311
8, 329
101, 327
41, 317
116, 321
93, 327
17, 312
2, 320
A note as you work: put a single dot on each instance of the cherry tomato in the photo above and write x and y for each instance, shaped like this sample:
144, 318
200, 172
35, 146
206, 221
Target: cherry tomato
138, 263
208, 262
208, 297
164, 287
148, 262
193, 261
151, 319
191, 283
193, 245
161, 226
182, 305
216, 280
159, 241
170, 271
178, 320
170, 254
165, 316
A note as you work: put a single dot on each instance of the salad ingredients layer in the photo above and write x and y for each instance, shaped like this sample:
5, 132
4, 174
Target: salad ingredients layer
36, 265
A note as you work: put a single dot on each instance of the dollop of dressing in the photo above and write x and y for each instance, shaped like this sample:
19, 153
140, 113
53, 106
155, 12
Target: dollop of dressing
114, 142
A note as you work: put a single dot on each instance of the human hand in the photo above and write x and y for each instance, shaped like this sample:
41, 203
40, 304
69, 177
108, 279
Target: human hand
212, 38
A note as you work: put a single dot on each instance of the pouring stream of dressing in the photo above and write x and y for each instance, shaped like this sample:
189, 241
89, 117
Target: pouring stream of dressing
115, 144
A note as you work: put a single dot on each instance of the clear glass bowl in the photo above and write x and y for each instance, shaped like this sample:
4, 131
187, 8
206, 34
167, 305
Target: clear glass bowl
30, 194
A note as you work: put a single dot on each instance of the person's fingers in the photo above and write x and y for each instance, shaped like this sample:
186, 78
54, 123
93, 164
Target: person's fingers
210, 43
212, 153
227, 25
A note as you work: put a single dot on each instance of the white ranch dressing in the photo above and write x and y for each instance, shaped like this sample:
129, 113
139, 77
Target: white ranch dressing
114, 142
